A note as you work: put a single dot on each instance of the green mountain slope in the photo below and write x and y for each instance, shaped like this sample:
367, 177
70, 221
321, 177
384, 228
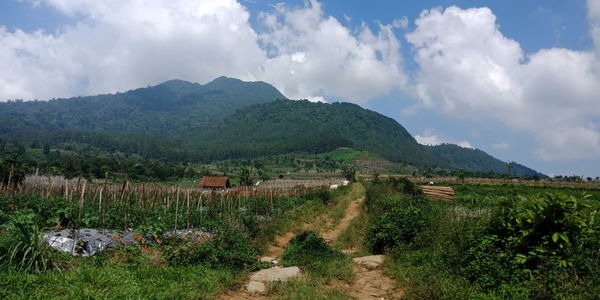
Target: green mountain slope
173, 108
226, 118
475, 160
295, 126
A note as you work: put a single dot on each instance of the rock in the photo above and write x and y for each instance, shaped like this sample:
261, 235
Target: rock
275, 274
266, 259
256, 287
371, 262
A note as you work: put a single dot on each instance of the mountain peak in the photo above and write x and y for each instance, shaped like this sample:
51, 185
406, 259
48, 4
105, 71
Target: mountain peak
176, 84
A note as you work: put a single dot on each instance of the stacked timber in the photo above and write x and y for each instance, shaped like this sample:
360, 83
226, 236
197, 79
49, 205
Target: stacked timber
445, 193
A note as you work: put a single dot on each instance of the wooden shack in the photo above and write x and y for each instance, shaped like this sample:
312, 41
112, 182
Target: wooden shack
215, 182
445, 193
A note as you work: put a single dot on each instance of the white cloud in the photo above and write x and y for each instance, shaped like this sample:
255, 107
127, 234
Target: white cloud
335, 62
430, 139
123, 44
470, 70
401, 23
119, 45
503, 146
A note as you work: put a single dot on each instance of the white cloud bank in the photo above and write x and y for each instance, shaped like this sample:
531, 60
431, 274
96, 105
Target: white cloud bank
470, 70
122, 44
430, 139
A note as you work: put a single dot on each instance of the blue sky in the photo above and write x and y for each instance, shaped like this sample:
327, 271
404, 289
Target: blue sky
517, 79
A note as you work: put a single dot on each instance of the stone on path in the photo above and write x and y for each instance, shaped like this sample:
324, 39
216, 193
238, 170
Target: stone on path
256, 287
275, 274
258, 279
371, 262
266, 259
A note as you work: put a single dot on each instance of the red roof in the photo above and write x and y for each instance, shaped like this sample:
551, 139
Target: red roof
215, 182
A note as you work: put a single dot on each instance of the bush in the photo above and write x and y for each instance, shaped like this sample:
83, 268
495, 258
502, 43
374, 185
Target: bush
541, 239
230, 248
22, 246
396, 227
308, 248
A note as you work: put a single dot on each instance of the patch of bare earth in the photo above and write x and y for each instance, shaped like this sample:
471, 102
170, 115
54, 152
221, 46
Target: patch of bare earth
369, 283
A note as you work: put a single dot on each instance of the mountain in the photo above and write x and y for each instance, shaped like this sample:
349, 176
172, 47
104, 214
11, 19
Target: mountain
475, 160
225, 118
295, 126
173, 108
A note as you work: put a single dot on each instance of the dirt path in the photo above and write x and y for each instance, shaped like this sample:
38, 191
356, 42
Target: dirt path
351, 212
370, 282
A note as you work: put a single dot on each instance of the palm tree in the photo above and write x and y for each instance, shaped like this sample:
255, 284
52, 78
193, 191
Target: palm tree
509, 166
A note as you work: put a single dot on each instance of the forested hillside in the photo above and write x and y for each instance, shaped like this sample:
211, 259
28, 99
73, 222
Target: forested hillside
173, 108
475, 160
179, 121
292, 126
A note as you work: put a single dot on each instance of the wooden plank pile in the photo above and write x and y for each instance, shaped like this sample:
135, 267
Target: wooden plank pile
444, 193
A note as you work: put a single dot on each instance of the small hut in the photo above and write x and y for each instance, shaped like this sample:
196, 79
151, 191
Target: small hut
215, 182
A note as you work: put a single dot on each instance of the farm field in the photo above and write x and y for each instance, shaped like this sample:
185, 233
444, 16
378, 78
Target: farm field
475, 246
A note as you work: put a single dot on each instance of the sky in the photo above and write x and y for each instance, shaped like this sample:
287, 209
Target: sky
518, 79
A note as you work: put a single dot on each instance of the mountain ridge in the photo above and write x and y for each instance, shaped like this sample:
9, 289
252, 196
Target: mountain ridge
222, 119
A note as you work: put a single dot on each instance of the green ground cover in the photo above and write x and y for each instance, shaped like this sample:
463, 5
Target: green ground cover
493, 242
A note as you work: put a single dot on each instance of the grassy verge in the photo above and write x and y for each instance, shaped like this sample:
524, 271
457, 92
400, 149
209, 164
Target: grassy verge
511, 243
354, 236
121, 274
342, 197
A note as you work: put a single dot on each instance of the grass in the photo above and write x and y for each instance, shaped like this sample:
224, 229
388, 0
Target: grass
341, 200
122, 275
354, 235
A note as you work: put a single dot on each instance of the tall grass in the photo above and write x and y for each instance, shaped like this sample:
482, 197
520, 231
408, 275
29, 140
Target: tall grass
22, 247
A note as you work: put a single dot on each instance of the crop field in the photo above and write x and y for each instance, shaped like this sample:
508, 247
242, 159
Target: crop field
494, 241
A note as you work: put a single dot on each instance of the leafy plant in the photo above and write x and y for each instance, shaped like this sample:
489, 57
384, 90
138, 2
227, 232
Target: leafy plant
230, 248
22, 246
396, 227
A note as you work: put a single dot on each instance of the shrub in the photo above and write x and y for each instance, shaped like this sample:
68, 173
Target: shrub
230, 248
396, 227
539, 239
308, 248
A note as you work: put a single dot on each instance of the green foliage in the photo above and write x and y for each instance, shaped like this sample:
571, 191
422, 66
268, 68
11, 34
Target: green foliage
307, 248
229, 248
12, 168
540, 235
399, 214
247, 175
322, 262
475, 160
396, 227
349, 172
22, 246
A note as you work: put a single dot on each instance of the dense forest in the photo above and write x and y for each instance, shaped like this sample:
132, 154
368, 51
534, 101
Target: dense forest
180, 122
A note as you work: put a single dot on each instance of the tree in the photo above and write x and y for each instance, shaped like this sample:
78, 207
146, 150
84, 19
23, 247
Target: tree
246, 175
349, 172
509, 167
46, 149
12, 171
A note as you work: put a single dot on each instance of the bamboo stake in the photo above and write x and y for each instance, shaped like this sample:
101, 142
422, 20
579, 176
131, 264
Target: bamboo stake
187, 196
81, 200
176, 208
